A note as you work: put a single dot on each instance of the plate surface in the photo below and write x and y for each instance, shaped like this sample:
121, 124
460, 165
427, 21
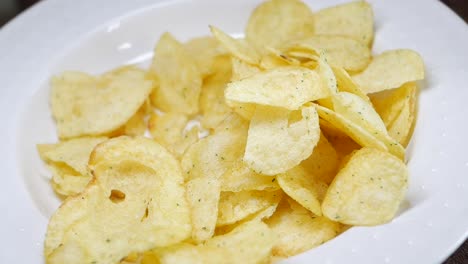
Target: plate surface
94, 36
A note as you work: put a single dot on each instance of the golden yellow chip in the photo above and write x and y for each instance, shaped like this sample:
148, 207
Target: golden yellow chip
68, 161
168, 129
278, 140
274, 22
212, 104
205, 50
203, 195
241, 69
136, 125
368, 190
251, 242
338, 51
361, 113
236, 206
203, 165
237, 47
398, 108
85, 105
357, 133
298, 230
389, 103
118, 214
239, 178
391, 69
287, 87
302, 187
354, 19
346, 84
212, 156
323, 162
179, 77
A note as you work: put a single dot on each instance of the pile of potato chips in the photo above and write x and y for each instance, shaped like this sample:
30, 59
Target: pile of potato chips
261, 148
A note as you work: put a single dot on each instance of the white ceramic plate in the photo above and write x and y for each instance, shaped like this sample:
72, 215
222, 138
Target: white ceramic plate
94, 36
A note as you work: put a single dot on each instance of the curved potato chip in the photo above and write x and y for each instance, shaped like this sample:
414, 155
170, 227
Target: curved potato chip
361, 113
338, 51
354, 19
204, 51
389, 103
391, 69
167, 129
236, 206
179, 78
212, 104
323, 162
276, 21
357, 133
88, 105
203, 195
248, 243
214, 155
368, 190
101, 223
237, 47
302, 187
68, 161
241, 178
135, 126
346, 84
358, 111
287, 87
298, 230
241, 69
401, 127
274, 145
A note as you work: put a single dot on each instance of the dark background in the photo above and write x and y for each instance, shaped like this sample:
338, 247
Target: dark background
10, 8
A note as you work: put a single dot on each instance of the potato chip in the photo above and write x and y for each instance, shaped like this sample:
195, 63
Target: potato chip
298, 230
302, 187
100, 224
203, 195
212, 104
401, 127
346, 84
66, 181
212, 156
274, 22
354, 19
364, 115
368, 190
357, 133
358, 111
95, 105
204, 51
135, 126
287, 87
237, 47
341, 143
338, 51
323, 162
248, 243
179, 77
167, 129
274, 144
391, 69
235, 206
241, 69
389, 103
203, 164
241, 178
68, 161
